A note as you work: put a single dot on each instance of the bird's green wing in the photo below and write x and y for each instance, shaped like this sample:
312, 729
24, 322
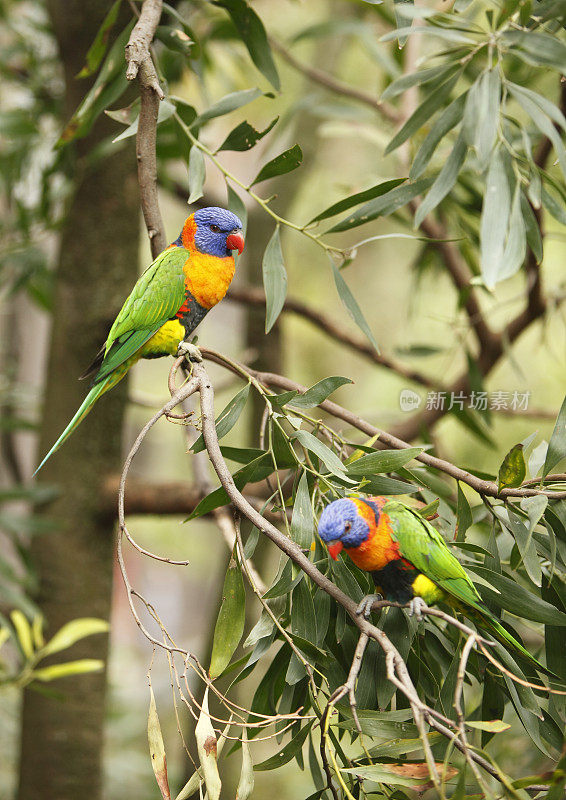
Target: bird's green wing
156, 298
422, 545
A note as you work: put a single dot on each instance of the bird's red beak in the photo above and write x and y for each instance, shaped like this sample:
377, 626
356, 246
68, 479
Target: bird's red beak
235, 241
334, 548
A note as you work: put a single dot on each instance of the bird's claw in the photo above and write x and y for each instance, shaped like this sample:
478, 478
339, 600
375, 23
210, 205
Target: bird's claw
366, 604
416, 608
190, 351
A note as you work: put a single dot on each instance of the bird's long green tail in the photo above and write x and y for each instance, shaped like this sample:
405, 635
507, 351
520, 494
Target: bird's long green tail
483, 615
97, 391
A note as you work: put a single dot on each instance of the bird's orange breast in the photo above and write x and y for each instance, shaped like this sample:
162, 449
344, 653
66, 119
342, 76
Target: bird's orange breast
379, 548
208, 277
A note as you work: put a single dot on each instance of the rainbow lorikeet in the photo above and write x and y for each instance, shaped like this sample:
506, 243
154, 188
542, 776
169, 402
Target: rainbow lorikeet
167, 303
408, 559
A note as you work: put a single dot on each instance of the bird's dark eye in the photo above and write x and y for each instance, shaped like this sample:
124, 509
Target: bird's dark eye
347, 527
215, 228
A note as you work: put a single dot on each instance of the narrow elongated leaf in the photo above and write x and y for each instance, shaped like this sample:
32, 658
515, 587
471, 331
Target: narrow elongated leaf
56, 671
355, 199
250, 27
545, 105
423, 113
197, 174
325, 454
303, 617
226, 104
444, 182
481, 116
157, 748
98, 48
420, 78
464, 515
319, 392
237, 207
274, 280
513, 468
538, 49
280, 165
230, 622
447, 120
525, 542
383, 461
245, 136
383, 206
557, 445
302, 521
174, 39
166, 110
351, 304
532, 230
401, 774
441, 33
110, 84
23, 631
543, 123
516, 245
516, 599
207, 747
401, 19
227, 418
494, 220
72, 632
288, 752
246, 782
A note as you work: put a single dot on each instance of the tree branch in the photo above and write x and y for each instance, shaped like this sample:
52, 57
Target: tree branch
140, 65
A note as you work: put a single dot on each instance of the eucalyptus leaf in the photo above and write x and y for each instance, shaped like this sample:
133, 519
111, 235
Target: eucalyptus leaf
274, 280
351, 305
251, 30
226, 104
245, 136
280, 165
384, 205
230, 622
318, 393
557, 445
302, 521
197, 174
355, 199
227, 418
444, 182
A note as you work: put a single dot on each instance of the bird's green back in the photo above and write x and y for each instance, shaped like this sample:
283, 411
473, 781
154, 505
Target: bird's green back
155, 299
422, 545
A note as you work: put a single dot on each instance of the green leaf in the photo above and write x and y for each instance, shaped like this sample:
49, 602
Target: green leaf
376, 484
237, 207
157, 748
402, 19
97, 49
68, 668
256, 470
351, 305
553, 207
317, 393
303, 617
515, 599
197, 174
280, 165
449, 118
302, 521
464, 515
494, 220
445, 180
227, 418
538, 49
513, 468
288, 752
420, 78
245, 136
382, 206
384, 724
250, 27
391, 774
493, 726
481, 115
110, 84
174, 39
525, 543
274, 280
285, 583
360, 197
72, 632
310, 442
231, 618
441, 33
557, 445
532, 230
226, 104
383, 461
423, 113
166, 110
23, 631
516, 245
542, 122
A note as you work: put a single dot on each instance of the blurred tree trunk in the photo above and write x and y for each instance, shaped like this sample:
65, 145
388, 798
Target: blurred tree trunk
62, 733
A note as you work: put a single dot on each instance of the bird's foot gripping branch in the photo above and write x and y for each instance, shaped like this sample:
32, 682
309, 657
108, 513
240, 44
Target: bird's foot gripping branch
408, 728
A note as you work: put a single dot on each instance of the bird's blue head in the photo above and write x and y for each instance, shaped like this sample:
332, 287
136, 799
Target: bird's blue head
218, 232
341, 525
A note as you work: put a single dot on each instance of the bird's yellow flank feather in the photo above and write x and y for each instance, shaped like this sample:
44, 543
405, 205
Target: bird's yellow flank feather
164, 342
208, 277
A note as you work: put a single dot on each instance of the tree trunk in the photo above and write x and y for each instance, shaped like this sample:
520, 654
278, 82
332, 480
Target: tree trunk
62, 733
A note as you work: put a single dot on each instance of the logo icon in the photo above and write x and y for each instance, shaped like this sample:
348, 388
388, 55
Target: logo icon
409, 400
